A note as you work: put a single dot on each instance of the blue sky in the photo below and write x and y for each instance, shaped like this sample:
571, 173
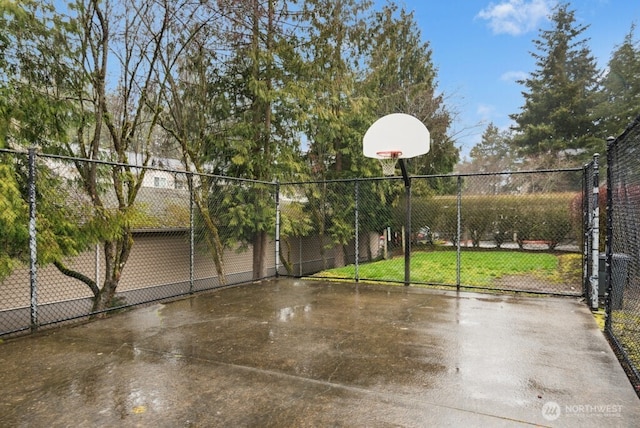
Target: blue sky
481, 47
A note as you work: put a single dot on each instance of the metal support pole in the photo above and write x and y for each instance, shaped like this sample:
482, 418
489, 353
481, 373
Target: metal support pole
357, 242
33, 248
277, 229
586, 233
595, 232
97, 264
300, 256
407, 228
609, 240
191, 235
458, 231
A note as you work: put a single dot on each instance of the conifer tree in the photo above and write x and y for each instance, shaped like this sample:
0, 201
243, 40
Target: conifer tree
620, 93
556, 121
401, 78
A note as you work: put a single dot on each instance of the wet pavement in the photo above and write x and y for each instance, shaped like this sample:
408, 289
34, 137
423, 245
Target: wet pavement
302, 353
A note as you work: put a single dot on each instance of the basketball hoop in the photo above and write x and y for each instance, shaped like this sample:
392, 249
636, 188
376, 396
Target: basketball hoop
407, 137
388, 161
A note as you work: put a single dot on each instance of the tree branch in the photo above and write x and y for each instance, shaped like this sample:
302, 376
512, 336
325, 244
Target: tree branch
77, 275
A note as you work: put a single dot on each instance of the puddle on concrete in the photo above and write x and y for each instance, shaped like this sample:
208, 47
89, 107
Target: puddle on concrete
302, 353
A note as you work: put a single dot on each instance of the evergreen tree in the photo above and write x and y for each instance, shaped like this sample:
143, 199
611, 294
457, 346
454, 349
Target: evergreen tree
494, 153
335, 35
260, 138
337, 117
35, 111
556, 121
401, 78
620, 93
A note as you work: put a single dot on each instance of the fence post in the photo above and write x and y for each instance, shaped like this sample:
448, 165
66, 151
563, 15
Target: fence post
300, 256
595, 233
97, 264
458, 231
277, 262
609, 239
586, 232
357, 243
191, 235
33, 247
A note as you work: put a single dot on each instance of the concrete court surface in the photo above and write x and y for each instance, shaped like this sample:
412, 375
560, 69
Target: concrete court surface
304, 353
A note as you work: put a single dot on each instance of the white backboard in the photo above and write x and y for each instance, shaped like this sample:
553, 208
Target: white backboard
396, 132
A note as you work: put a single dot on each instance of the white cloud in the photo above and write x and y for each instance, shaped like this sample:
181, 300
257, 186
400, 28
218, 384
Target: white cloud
485, 111
513, 76
516, 17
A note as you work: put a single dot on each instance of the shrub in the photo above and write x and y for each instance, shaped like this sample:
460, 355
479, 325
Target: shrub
530, 217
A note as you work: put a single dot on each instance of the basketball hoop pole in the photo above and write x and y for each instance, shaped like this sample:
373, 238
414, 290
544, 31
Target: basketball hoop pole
398, 136
405, 175
407, 227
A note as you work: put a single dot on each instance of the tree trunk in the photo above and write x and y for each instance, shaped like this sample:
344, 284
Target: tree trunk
116, 254
104, 299
285, 255
259, 255
213, 238
339, 260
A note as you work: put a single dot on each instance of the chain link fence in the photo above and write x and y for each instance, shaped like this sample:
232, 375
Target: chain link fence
499, 231
82, 237
622, 266
146, 233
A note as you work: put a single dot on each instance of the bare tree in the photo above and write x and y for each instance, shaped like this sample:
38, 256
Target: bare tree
117, 52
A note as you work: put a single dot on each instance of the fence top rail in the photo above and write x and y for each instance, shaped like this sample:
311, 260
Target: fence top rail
342, 180
339, 180
133, 165
452, 175
480, 174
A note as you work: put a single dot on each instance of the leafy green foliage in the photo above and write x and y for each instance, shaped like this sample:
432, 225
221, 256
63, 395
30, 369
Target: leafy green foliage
536, 217
14, 220
338, 114
64, 221
364, 64
294, 222
241, 211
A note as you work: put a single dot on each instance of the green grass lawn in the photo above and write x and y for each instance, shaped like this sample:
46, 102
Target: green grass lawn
478, 268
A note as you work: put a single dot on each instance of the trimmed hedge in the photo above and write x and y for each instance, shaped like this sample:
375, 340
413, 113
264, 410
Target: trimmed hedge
502, 218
